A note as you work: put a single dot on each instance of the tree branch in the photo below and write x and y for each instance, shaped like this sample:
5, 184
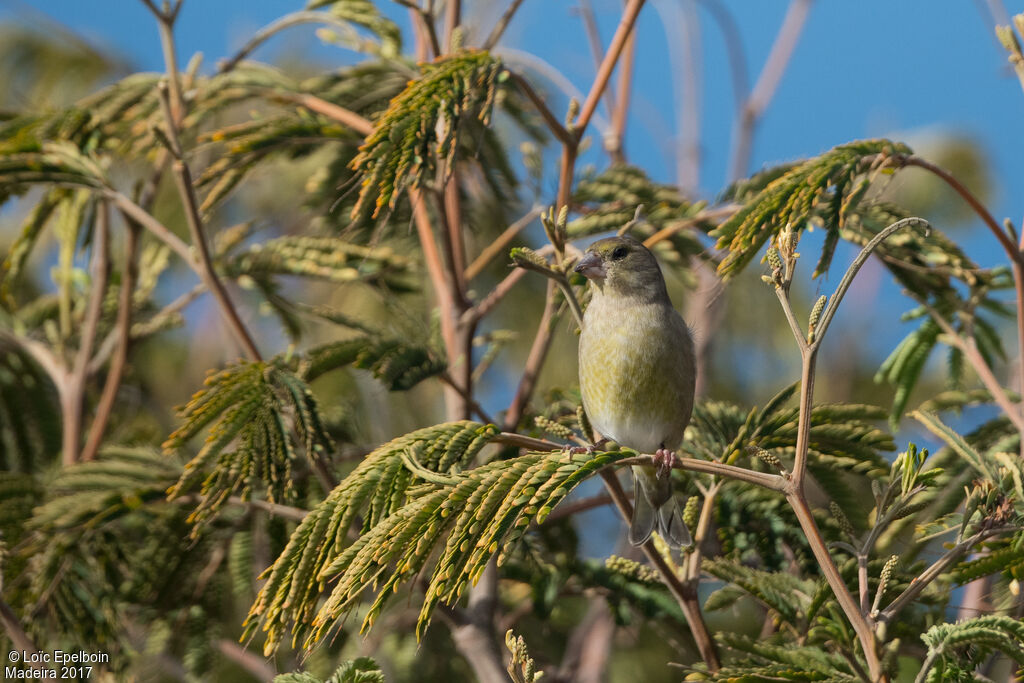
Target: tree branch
922, 580
500, 244
684, 594
72, 392
499, 28
767, 82
183, 177
275, 27
604, 72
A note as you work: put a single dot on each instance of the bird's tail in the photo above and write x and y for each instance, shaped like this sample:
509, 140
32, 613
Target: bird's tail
656, 508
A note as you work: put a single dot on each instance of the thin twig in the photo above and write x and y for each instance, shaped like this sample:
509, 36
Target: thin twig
586, 13
688, 150
275, 509
122, 330
767, 480
468, 397
604, 72
72, 394
497, 294
767, 82
556, 127
452, 19
616, 142
19, 638
534, 361
978, 363
275, 27
359, 124
500, 244
684, 594
922, 580
499, 28
186, 190
582, 505
133, 211
1012, 251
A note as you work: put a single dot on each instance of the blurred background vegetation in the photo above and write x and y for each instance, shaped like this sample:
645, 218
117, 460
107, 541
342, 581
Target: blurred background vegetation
269, 167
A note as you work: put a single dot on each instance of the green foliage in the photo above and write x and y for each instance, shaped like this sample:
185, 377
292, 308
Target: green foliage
414, 496
248, 145
359, 670
421, 126
399, 365
778, 660
254, 407
362, 13
328, 258
787, 595
521, 666
29, 417
958, 648
823, 189
610, 200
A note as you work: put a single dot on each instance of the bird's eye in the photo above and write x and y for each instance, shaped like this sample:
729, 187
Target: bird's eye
619, 253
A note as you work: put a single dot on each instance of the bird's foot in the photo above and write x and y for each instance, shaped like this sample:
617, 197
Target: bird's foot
589, 450
664, 461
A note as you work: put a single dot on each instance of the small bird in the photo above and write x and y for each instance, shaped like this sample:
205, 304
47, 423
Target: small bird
637, 374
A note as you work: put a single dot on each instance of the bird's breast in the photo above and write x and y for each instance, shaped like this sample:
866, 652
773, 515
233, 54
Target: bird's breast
636, 373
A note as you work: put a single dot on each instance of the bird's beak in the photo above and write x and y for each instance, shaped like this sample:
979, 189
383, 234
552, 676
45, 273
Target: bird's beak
591, 266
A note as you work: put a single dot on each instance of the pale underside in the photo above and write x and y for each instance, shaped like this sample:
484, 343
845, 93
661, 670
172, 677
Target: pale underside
636, 372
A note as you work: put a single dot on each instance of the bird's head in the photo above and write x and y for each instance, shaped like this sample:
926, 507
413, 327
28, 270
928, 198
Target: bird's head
622, 266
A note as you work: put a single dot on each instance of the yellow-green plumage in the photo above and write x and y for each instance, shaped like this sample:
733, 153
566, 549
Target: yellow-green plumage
637, 371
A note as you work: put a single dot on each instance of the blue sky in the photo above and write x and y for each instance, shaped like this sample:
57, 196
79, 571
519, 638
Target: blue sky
861, 69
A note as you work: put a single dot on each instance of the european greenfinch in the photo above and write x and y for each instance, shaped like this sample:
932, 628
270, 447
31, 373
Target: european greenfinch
637, 375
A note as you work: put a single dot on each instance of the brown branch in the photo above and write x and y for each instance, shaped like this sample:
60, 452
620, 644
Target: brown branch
709, 215
767, 82
586, 13
684, 593
253, 663
359, 124
165, 22
1012, 251
688, 150
582, 505
452, 19
773, 482
534, 361
604, 72
72, 392
21, 640
500, 244
616, 142
467, 396
922, 580
122, 332
553, 124
528, 442
977, 361
275, 27
499, 28
285, 511
133, 211
496, 295
186, 190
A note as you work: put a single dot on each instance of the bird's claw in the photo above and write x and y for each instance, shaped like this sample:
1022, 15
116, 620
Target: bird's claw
664, 461
589, 449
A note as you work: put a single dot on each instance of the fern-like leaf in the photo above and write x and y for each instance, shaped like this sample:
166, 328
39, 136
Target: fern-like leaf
253, 408
421, 125
815, 189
